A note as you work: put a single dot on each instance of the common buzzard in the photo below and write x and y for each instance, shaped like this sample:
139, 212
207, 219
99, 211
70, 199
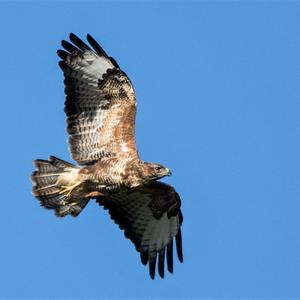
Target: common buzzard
100, 107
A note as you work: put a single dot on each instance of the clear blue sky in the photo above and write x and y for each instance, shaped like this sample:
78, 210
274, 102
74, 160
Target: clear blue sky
218, 102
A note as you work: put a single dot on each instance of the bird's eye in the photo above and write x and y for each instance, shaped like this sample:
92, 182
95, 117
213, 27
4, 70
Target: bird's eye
158, 168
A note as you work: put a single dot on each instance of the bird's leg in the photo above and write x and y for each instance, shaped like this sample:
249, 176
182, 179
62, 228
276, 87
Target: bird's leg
67, 189
94, 194
96, 191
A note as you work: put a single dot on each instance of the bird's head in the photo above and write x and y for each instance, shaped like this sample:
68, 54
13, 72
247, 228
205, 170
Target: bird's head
156, 171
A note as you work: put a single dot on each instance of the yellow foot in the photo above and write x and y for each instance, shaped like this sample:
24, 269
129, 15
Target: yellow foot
68, 189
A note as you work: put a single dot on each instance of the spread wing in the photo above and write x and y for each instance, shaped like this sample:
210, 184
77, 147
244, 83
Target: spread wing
151, 218
100, 102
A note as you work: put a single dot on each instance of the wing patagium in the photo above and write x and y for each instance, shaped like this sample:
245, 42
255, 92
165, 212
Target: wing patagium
151, 218
99, 100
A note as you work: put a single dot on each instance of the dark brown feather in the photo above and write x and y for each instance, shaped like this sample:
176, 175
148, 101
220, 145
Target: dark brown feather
78, 42
99, 50
62, 54
152, 264
135, 213
161, 263
179, 246
100, 103
170, 256
68, 46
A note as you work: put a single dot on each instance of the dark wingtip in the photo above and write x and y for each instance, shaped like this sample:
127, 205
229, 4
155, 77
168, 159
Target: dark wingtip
62, 65
144, 257
170, 256
68, 46
114, 62
78, 42
73, 36
161, 263
152, 265
180, 217
99, 50
179, 246
62, 54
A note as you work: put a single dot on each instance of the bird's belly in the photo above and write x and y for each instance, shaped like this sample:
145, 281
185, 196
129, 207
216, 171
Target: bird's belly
102, 187
106, 182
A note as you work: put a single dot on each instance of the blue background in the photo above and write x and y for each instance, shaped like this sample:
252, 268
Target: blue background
217, 85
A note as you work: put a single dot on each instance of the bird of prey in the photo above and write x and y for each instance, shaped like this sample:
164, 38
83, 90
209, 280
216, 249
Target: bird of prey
100, 107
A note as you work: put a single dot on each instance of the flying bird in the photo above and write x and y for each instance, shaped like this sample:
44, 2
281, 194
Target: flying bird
100, 107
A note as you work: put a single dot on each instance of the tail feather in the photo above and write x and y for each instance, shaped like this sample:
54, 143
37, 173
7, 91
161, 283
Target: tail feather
48, 190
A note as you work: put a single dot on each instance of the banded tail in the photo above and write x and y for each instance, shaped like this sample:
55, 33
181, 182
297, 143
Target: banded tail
54, 182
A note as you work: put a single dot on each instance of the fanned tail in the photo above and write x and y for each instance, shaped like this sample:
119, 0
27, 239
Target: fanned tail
51, 181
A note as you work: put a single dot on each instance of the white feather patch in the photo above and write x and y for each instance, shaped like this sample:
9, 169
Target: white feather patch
69, 177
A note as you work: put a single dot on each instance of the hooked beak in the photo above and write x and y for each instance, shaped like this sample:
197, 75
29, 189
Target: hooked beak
168, 172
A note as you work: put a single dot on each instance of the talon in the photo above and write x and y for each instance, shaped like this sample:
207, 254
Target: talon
68, 189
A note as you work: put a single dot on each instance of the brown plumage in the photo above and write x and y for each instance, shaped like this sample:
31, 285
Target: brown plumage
100, 107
